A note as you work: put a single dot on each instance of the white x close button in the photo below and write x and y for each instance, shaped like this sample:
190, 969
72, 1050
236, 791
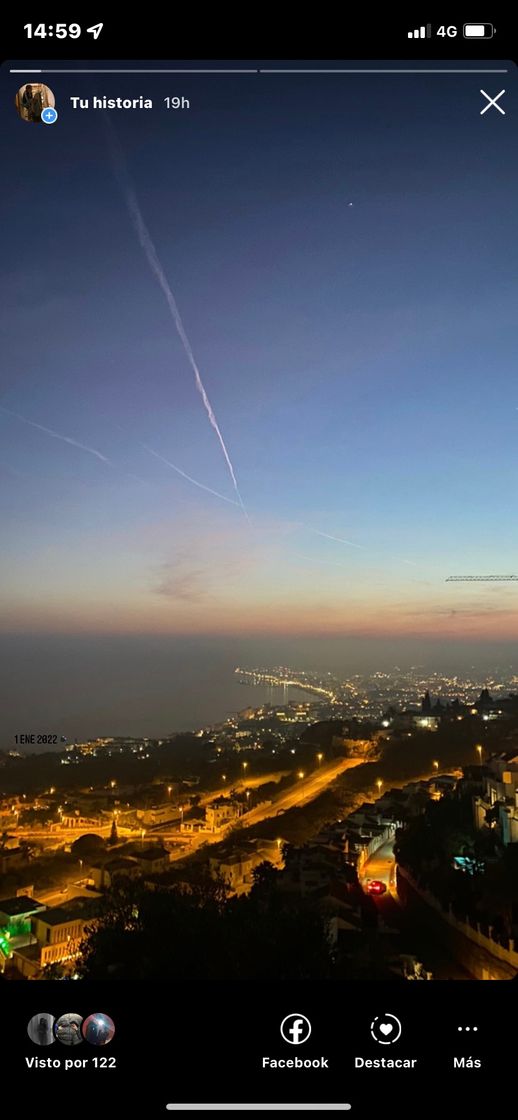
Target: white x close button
492, 102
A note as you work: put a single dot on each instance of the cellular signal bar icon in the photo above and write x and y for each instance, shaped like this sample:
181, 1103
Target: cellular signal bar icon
421, 32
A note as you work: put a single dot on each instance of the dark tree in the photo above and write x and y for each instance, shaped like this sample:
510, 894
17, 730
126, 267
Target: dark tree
265, 878
185, 933
88, 846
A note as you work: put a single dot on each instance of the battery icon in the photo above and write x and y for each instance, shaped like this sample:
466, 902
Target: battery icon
478, 30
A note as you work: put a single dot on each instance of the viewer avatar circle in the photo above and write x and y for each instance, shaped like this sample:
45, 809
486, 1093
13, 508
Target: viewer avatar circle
295, 1029
67, 1029
386, 1029
40, 1028
33, 100
98, 1029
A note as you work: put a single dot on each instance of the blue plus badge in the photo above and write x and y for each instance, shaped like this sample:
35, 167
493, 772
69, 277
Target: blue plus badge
49, 116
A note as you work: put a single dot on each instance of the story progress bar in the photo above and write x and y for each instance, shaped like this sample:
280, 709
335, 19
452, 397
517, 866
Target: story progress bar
258, 1107
391, 70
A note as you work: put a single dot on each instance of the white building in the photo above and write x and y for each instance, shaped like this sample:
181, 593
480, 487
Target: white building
500, 794
220, 812
159, 814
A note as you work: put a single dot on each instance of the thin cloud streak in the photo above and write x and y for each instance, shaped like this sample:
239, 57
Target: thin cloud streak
151, 255
183, 474
352, 544
58, 435
330, 537
189, 477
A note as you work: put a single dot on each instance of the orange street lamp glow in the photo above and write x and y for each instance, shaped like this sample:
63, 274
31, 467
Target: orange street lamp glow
379, 783
300, 774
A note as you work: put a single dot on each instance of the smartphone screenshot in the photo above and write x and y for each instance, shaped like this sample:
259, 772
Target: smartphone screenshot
259, 565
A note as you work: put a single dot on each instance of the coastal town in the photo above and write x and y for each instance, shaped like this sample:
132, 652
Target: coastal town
384, 819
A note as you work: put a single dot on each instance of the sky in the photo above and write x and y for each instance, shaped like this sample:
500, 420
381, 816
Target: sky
342, 252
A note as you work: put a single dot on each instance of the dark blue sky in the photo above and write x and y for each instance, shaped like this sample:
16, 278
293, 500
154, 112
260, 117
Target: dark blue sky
343, 253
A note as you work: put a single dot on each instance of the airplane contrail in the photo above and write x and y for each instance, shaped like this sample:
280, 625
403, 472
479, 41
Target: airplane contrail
352, 544
189, 477
58, 435
330, 537
155, 265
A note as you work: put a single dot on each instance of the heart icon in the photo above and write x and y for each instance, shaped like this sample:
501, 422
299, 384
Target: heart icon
386, 1029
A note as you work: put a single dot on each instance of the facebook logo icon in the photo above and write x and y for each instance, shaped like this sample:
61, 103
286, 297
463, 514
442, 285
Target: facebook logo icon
295, 1029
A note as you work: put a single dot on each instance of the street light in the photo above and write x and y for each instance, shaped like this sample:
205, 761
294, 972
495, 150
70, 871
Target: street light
245, 765
300, 774
224, 776
169, 790
113, 783
319, 757
379, 783
479, 749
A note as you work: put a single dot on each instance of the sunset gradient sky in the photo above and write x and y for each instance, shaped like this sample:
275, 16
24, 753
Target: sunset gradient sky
343, 254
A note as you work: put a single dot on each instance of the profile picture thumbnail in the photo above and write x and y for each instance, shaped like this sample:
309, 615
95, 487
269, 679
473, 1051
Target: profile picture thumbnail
98, 1029
40, 1029
67, 1029
31, 99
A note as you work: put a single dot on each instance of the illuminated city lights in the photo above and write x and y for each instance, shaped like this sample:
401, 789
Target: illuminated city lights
200, 816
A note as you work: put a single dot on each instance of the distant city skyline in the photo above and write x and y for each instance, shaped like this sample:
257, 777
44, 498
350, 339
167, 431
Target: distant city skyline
342, 253
151, 687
